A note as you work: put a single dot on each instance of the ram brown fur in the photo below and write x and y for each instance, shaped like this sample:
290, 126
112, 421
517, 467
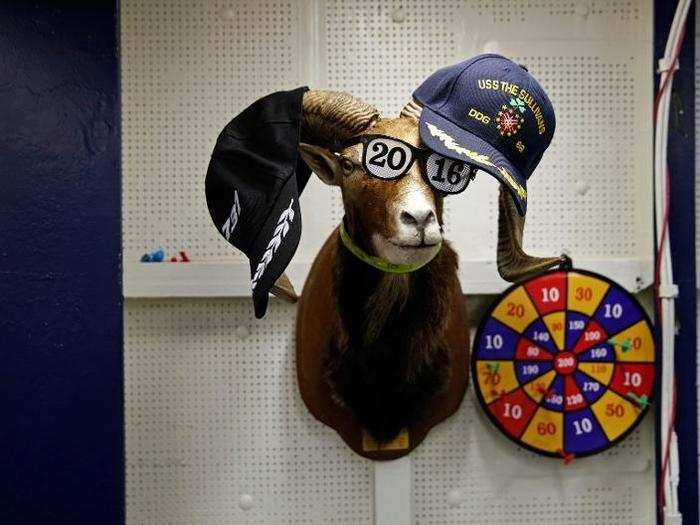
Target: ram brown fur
388, 378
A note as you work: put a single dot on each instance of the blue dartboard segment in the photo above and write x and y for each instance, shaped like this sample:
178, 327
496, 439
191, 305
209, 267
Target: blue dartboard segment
497, 341
575, 324
537, 333
617, 311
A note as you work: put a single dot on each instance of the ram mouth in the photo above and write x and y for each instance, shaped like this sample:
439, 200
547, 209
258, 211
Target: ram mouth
421, 246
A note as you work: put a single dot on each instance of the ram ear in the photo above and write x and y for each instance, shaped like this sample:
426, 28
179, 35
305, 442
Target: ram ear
322, 162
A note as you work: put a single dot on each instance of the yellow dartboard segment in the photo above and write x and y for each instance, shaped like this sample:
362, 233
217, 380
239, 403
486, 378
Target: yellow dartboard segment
634, 344
516, 310
537, 387
615, 414
545, 431
496, 378
555, 324
585, 292
601, 372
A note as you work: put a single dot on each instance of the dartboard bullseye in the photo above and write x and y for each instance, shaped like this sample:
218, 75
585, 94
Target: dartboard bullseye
563, 363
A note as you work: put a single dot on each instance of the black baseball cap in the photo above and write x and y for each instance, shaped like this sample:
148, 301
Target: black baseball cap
253, 184
492, 113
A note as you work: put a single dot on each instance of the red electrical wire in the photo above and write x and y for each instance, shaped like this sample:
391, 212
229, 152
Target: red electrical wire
657, 273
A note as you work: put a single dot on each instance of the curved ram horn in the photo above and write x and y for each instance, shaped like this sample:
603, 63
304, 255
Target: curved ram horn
333, 117
513, 263
412, 109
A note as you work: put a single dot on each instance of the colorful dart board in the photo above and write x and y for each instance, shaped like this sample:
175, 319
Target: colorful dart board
563, 363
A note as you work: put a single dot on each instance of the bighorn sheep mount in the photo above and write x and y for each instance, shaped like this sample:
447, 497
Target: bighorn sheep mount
380, 352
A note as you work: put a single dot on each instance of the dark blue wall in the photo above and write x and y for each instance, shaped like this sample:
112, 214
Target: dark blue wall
61, 423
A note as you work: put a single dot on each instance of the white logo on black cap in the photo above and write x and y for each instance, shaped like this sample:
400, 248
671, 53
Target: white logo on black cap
230, 224
281, 230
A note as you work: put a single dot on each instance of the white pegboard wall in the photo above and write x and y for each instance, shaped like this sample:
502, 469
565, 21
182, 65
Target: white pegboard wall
187, 68
509, 11
212, 409
466, 472
599, 103
213, 413
383, 50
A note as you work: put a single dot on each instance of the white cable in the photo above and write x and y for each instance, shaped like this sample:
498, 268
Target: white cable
667, 288
666, 273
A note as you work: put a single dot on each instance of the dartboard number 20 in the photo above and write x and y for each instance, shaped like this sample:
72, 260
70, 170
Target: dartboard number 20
564, 363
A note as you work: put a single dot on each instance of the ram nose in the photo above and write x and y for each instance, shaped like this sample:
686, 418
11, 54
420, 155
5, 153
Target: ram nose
420, 225
419, 219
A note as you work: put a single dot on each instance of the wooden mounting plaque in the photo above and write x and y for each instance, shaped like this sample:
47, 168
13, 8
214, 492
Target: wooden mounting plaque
313, 321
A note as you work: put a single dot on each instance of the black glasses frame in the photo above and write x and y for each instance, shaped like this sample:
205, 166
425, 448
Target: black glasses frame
419, 154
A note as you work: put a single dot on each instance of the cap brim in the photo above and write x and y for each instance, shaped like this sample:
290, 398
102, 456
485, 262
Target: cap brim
275, 245
448, 139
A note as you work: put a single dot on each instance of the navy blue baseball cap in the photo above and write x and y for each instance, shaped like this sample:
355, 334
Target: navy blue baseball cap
490, 112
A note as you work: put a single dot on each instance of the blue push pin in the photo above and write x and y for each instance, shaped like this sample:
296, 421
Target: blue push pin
155, 256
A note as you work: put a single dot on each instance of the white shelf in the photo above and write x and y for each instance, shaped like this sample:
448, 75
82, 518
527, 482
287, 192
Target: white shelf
232, 278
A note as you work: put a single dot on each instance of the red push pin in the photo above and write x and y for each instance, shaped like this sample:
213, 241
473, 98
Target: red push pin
568, 458
542, 390
183, 257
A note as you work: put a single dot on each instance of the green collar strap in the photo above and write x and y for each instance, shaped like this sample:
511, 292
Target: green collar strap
378, 262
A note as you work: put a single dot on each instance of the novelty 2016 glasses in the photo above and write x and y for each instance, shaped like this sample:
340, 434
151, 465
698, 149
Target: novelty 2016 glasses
388, 158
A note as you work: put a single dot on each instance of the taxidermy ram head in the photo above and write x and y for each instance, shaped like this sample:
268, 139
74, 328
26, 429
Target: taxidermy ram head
387, 356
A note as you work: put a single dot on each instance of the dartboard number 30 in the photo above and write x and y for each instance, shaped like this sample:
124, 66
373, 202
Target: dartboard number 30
564, 363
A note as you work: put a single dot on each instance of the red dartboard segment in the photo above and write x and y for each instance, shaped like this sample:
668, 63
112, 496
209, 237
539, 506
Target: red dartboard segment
514, 411
573, 399
529, 351
592, 335
578, 363
548, 292
635, 378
